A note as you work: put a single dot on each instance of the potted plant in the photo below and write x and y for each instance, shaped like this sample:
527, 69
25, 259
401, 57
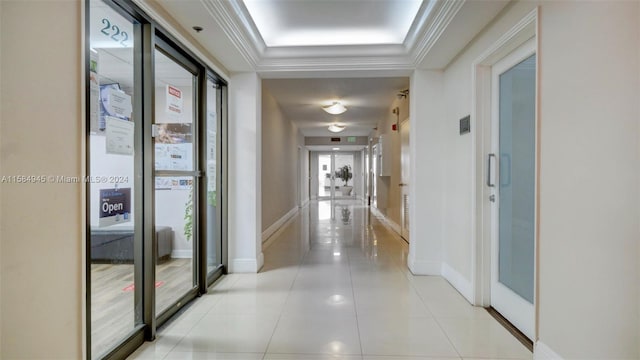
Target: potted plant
345, 174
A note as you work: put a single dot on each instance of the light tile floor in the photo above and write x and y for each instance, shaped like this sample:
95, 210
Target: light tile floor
335, 285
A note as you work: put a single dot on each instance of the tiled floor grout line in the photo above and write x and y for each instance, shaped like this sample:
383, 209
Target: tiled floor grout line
299, 214
355, 308
376, 260
201, 318
435, 318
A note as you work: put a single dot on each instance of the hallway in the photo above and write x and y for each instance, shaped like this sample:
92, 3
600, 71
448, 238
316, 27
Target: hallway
335, 286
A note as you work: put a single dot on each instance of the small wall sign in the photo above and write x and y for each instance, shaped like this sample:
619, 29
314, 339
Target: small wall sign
465, 125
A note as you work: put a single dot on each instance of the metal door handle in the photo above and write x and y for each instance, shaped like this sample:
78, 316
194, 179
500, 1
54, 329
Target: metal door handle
492, 198
489, 168
402, 184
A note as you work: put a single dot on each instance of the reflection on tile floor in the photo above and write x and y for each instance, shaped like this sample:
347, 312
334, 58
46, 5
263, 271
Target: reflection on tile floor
335, 285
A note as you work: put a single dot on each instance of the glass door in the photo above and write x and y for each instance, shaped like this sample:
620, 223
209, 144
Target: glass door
514, 189
335, 175
114, 236
176, 180
156, 179
213, 182
326, 177
343, 174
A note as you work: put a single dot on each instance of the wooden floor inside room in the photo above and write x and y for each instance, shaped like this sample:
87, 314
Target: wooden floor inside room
112, 298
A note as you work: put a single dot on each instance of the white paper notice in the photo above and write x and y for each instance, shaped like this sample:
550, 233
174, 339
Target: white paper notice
119, 135
175, 101
174, 157
119, 103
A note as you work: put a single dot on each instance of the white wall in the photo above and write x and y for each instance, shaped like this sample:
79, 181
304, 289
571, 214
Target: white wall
426, 173
245, 153
590, 179
357, 180
42, 225
1, 172
280, 141
388, 187
304, 176
458, 150
589, 175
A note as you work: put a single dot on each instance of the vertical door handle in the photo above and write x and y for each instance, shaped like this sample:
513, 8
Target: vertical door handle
490, 167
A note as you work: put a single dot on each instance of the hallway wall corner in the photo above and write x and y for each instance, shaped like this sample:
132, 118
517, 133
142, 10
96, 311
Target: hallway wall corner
245, 186
426, 226
424, 267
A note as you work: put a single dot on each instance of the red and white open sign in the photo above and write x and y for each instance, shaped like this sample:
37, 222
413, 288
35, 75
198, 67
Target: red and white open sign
174, 100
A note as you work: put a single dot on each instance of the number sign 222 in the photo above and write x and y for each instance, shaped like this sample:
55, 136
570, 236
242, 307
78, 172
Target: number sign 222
117, 35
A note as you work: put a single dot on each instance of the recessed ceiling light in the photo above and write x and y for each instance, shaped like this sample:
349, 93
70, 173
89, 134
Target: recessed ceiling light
335, 109
336, 148
335, 128
197, 28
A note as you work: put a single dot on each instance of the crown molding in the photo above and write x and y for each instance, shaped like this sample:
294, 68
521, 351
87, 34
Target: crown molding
334, 51
434, 25
335, 64
237, 25
419, 23
431, 21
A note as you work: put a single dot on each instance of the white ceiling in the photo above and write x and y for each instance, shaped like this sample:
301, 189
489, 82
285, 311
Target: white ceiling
442, 28
368, 100
332, 22
304, 75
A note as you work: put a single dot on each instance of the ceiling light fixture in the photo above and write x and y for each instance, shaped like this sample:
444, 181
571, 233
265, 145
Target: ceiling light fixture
335, 109
335, 128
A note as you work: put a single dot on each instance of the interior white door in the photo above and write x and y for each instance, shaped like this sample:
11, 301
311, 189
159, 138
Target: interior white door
513, 184
405, 170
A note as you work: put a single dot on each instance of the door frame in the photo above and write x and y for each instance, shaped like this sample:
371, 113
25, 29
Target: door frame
174, 52
404, 182
527, 29
150, 34
511, 305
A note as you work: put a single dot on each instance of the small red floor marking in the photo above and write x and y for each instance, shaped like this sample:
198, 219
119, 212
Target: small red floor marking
132, 286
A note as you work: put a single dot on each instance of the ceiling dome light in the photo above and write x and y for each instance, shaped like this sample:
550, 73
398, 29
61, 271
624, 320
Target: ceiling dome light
335, 109
335, 128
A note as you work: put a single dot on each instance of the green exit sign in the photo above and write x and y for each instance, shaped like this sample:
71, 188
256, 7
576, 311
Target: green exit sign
351, 139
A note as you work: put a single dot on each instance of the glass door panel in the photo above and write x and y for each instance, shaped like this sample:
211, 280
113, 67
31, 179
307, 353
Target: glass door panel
513, 196
213, 212
343, 173
175, 181
517, 178
325, 176
114, 239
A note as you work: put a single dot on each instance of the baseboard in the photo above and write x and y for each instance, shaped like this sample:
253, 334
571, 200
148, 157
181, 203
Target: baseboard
543, 352
247, 265
418, 267
394, 226
181, 254
278, 224
458, 281
387, 222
